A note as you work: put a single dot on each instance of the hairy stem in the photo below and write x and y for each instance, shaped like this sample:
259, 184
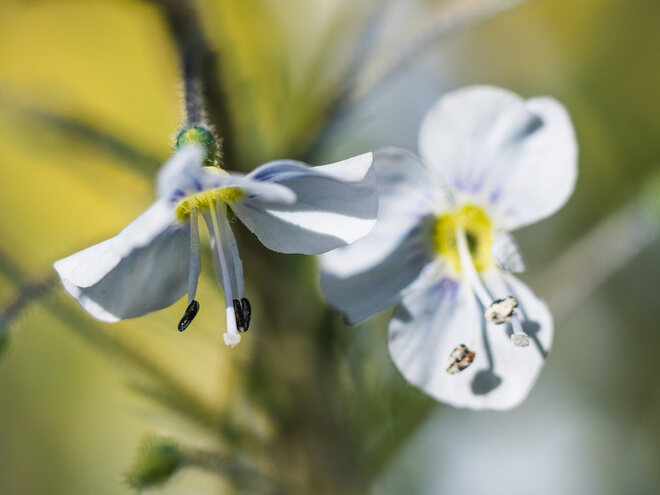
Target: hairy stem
200, 63
191, 89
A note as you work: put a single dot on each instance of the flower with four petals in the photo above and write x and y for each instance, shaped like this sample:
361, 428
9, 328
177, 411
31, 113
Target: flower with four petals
465, 331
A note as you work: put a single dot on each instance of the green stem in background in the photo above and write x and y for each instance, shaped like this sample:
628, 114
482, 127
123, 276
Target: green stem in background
170, 388
244, 476
28, 293
160, 458
129, 157
157, 383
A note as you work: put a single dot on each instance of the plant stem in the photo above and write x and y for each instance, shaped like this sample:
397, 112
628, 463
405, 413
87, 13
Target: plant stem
200, 64
186, 402
192, 95
243, 475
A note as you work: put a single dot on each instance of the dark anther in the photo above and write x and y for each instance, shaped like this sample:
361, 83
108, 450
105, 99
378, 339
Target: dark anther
242, 312
247, 313
459, 359
189, 315
238, 314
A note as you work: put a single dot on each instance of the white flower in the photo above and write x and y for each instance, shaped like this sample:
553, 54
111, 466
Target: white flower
491, 163
155, 260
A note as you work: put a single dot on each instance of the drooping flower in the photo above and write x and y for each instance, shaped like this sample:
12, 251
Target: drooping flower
155, 260
464, 331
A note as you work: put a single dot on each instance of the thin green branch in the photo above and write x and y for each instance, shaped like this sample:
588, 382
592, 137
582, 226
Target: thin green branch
25, 295
94, 334
129, 156
243, 475
157, 383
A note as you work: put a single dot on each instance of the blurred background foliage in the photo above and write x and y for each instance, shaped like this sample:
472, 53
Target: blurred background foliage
90, 98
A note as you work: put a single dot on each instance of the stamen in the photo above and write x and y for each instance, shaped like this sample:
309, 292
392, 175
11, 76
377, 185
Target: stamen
501, 310
243, 312
195, 262
231, 336
247, 312
459, 359
504, 310
518, 337
467, 267
189, 315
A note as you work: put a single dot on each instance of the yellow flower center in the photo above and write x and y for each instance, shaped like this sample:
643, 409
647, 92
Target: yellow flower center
208, 199
478, 231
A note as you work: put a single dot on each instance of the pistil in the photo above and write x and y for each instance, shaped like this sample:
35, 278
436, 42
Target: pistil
469, 271
497, 310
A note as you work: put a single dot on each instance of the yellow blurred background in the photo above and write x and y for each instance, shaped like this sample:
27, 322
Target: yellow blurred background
90, 99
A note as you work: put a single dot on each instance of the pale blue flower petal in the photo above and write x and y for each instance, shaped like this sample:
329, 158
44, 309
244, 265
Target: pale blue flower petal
516, 158
183, 176
251, 188
335, 205
439, 316
87, 267
506, 253
365, 277
178, 175
142, 269
518, 367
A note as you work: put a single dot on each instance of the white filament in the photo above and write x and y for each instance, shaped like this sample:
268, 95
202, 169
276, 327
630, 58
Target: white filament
231, 336
195, 263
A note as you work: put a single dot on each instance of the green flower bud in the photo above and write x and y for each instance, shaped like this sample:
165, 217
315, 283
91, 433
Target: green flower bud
203, 137
156, 461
